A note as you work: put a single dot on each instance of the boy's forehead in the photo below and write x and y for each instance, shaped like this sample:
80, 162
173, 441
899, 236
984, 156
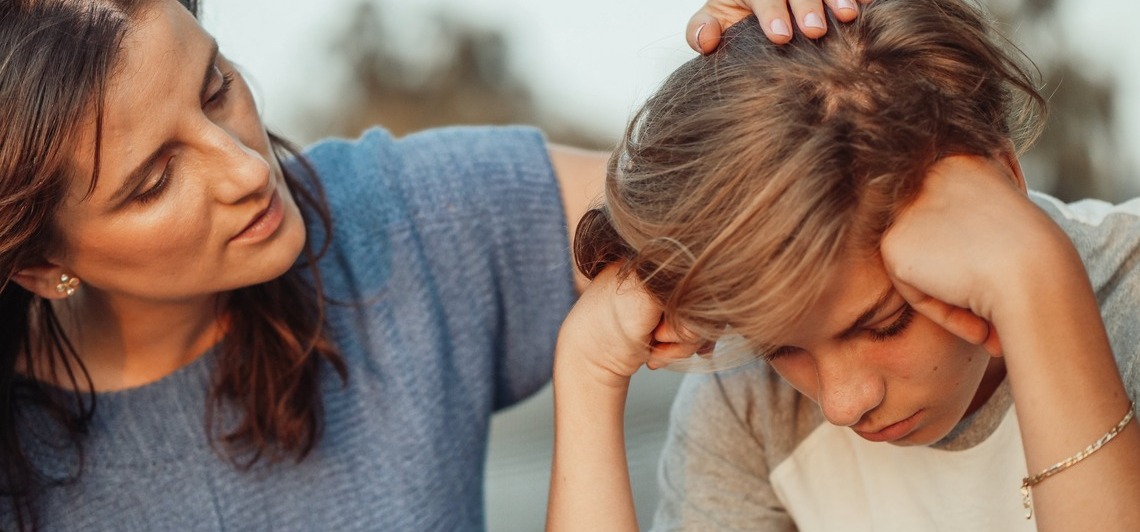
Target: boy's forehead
855, 289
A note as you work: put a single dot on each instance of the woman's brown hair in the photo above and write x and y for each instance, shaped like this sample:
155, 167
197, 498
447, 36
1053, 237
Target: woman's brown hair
57, 58
742, 181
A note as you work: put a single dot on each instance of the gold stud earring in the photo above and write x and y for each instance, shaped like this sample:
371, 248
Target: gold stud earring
67, 285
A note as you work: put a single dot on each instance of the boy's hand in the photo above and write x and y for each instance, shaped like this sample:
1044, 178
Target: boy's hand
775, 17
615, 328
969, 241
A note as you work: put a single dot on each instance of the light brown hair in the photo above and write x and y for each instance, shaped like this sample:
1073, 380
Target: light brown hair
742, 181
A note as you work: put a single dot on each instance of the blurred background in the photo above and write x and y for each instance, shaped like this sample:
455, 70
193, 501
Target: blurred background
578, 70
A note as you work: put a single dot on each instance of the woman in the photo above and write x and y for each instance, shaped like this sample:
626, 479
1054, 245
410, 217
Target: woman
852, 211
203, 331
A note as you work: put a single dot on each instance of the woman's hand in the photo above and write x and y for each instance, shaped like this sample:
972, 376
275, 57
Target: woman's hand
775, 18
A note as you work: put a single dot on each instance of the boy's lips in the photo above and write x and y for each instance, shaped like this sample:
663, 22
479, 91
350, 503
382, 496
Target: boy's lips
891, 432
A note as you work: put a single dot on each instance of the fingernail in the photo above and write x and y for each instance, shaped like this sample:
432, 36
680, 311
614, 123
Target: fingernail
812, 20
779, 27
697, 36
847, 4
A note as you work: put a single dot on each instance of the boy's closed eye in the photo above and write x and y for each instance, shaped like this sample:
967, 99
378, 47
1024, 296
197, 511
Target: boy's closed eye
891, 326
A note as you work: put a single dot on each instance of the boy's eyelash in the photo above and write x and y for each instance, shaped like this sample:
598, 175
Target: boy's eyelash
896, 328
773, 354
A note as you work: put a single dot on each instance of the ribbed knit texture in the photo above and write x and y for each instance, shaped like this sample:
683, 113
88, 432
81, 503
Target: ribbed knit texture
450, 252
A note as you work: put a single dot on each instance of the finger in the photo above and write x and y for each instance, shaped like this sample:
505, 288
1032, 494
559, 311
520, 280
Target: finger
703, 33
993, 343
669, 332
707, 25
666, 333
959, 321
664, 354
810, 17
845, 10
774, 19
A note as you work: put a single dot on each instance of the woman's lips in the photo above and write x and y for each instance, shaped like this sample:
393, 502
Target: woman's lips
264, 224
893, 431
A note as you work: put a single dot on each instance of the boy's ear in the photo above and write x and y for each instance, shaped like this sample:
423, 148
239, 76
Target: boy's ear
49, 281
1008, 156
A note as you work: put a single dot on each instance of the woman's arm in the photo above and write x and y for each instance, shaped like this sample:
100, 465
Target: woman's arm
581, 176
973, 253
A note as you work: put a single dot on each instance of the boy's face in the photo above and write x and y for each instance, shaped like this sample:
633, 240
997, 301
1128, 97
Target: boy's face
874, 364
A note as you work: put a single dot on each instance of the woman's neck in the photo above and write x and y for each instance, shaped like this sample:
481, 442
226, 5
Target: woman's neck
129, 343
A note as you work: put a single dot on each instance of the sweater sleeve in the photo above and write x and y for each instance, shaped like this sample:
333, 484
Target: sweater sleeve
500, 182
461, 232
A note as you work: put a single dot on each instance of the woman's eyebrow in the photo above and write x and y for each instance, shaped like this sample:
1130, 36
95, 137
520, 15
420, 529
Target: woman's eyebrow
139, 174
209, 75
868, 314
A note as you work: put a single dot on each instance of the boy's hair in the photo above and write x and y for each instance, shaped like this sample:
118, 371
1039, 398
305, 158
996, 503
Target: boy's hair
744, 179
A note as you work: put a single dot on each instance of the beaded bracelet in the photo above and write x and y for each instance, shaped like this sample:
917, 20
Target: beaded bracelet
1029, 482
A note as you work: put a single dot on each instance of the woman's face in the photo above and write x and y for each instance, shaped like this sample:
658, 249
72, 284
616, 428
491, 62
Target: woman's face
189, 201
874, 364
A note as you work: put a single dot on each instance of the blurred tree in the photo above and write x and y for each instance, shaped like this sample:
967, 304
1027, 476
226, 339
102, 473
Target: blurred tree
1078, 155
467, 81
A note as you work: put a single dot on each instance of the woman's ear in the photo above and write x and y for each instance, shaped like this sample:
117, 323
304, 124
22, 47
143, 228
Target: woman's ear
1008, 157
48, 281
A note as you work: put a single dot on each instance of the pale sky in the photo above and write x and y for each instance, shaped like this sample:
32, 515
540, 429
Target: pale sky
590, 61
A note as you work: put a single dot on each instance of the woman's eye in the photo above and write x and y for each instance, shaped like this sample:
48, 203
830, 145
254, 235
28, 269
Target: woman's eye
219, 96
906, 314
155, 191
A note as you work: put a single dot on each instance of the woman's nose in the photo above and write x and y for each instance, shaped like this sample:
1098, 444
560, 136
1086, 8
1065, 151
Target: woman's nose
847, 391
241, 171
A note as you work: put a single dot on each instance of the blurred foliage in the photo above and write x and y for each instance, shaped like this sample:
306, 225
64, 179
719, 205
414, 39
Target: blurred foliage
1078, 156
468, 80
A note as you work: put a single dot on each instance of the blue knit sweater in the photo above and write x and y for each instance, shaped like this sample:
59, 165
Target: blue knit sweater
449, 252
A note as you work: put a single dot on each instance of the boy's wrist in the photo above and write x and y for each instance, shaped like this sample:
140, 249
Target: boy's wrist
1044, 277
574, 364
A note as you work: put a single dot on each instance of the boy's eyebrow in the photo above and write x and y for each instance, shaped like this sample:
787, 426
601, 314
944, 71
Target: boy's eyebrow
868, 314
